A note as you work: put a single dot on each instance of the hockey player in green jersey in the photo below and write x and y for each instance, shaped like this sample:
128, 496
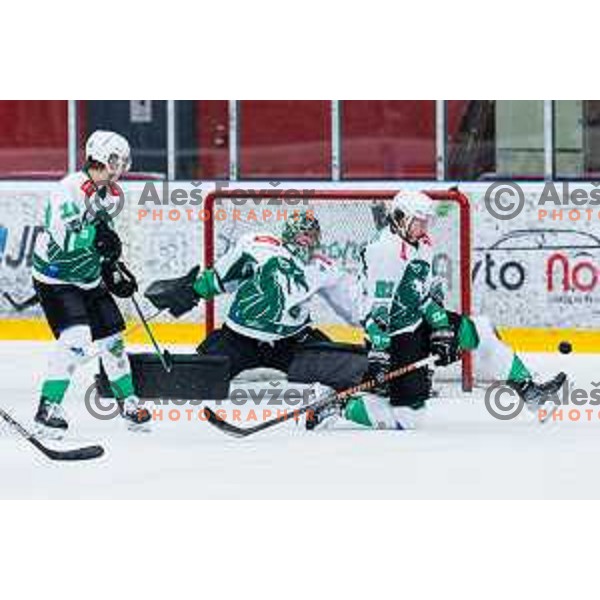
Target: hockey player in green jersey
406, 321
76, 272
272, 281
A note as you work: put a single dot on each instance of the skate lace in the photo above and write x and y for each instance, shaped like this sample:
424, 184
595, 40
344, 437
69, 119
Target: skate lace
131, 405
56, 411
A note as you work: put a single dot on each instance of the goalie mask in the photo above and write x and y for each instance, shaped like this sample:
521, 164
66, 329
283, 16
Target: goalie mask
411, 215
302, 234
110, 149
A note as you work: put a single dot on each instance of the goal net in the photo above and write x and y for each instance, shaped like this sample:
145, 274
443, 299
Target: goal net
349, 219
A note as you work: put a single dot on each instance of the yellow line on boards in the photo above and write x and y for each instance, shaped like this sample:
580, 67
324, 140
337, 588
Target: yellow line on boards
521, 339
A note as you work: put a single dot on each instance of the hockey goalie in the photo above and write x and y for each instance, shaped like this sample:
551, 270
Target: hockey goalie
272, 281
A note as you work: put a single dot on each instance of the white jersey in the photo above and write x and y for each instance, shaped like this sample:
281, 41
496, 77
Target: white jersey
273, 289
398, 280
64, 253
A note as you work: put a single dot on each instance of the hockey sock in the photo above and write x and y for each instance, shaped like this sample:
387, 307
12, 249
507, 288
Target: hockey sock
68, 352
371, 411
54, 390
494, 358
116, 365
518, 371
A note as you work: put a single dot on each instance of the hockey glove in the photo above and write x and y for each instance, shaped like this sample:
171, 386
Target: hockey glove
379, 366
176, 295
108, 243
443, 344
119, 280
376, 328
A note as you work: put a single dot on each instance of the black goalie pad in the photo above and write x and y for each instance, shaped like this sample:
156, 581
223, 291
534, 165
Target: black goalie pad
192, 377
339, 366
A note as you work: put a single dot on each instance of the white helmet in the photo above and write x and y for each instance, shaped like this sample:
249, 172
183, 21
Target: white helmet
110, 149
414, 205
408, 206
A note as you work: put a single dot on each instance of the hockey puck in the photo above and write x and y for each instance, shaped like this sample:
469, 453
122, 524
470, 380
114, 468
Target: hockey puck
565, 347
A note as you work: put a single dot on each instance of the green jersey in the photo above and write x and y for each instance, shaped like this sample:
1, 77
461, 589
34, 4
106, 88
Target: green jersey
398, 279
64, 253
272, 289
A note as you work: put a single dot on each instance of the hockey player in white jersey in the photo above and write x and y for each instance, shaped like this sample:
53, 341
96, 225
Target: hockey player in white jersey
76, 271
406, 321
272, 280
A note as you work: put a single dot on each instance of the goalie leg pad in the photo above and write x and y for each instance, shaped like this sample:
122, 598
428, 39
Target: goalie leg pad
191, 378
242, 352
339, 366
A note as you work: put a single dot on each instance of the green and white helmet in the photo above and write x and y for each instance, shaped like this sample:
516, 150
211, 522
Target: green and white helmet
302, 233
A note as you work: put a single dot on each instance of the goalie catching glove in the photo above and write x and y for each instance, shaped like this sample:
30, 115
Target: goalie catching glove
182, 294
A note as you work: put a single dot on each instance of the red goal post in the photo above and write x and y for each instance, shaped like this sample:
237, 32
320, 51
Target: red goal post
346, 200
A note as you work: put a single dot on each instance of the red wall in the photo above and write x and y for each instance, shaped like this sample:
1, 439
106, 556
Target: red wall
212, 134
284, 139
33, 137
388, 139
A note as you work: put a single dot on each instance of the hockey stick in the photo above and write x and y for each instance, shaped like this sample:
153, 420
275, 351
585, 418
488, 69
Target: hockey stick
163, 356
83, 453
233, 430
21, 306
127, 332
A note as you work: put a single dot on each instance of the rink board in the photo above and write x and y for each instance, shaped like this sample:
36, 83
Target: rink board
521, 339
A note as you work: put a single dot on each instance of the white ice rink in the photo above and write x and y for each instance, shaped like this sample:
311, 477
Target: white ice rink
460, 451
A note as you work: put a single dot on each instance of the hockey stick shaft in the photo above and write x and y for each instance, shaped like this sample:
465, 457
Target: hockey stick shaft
129, 331
163, 356
21, 306
227, 427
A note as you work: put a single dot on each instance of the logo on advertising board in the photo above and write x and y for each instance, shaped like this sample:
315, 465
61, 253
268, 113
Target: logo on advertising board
22, 242
572, 273
3, 240
549, 270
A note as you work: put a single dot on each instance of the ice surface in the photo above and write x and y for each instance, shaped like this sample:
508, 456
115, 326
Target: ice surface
460, 451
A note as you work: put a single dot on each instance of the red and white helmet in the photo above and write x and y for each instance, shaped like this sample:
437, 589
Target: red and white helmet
110, 149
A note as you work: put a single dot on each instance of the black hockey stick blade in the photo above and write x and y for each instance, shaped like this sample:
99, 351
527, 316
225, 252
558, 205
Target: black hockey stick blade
85, 453
21, 306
